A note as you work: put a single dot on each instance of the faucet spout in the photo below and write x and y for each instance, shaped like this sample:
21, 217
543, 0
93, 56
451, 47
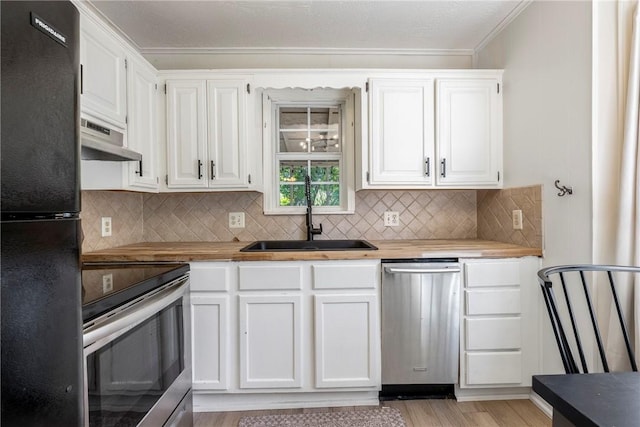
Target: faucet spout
311, 230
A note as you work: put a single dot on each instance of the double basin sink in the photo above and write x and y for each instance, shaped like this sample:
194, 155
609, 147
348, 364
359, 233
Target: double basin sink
305, 245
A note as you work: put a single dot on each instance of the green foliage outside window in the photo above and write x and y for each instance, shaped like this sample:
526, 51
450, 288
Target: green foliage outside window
325, 183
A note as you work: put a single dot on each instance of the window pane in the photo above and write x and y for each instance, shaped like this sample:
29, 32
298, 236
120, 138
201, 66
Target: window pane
293, 118
322, 142
292, 195
325, 195
293, 142
325, 118
325, 171
291, 185
293, 171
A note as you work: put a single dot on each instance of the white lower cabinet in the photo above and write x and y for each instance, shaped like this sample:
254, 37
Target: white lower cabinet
210, 328
499, 331
299, 332
346, 332
270, 341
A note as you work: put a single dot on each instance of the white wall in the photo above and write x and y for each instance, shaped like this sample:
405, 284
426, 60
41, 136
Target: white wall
546, 55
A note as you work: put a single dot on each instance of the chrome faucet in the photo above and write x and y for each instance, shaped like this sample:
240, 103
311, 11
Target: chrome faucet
311, 230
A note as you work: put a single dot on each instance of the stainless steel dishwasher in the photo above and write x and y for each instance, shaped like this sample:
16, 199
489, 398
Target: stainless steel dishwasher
420, 324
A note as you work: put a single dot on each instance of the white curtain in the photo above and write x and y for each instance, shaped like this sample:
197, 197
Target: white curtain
628, 235
616, 164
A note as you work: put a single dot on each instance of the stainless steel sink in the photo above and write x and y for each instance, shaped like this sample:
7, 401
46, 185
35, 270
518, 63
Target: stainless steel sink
305, 245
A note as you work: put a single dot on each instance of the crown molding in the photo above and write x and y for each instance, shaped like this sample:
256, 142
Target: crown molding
305, 51
517, 10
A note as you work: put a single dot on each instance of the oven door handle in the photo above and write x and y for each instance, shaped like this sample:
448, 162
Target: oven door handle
131, 317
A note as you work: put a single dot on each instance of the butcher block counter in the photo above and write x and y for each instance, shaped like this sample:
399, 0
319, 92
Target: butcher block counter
230, 251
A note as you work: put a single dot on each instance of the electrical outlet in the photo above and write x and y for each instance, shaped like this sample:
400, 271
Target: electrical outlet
236, 219
391, 219
516, 216
107, 283
106, 226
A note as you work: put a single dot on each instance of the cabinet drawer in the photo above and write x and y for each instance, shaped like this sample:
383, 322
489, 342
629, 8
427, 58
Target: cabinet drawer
499, 301
494, 334
209, 277
494, 273
494, 368
269, 277
345, 276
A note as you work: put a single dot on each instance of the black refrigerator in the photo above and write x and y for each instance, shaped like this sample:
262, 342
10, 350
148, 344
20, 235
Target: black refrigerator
41, 342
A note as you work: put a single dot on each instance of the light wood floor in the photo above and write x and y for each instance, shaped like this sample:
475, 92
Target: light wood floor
418, 413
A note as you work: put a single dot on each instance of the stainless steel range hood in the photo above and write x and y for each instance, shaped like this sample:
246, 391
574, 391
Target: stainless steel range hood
101, 143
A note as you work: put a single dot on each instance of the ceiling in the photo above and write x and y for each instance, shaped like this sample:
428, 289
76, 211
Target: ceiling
161, 26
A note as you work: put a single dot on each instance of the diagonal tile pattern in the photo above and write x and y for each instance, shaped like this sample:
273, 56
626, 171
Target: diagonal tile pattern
123, 207
204, 217
495, 220
424, 214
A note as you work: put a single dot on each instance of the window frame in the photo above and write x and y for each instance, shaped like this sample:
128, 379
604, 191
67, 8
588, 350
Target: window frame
273, 99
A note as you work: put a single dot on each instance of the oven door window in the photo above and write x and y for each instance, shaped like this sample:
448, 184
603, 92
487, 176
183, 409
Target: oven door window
126, 377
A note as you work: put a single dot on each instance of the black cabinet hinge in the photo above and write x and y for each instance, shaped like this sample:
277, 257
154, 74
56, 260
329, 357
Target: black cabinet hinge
166, 179
366, 87
156, 85
498, 176
126, 65
498, 87
248, 88
367, 176
165, 89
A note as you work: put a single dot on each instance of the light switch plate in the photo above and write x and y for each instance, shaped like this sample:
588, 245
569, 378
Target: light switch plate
236, 219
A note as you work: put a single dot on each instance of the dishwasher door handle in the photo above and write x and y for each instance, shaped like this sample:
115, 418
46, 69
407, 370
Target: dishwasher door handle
393, 270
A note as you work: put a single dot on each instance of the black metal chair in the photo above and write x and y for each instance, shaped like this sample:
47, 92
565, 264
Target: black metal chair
568, 276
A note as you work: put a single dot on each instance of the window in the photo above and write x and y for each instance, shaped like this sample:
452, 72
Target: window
311, 133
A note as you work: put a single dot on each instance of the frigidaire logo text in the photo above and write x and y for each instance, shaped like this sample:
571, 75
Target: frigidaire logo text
43, 26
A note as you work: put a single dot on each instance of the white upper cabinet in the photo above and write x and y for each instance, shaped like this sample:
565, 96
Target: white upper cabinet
468, 132
207, 134
186, 134
227, 132
103, 74
142, 132
435, 130
402, 136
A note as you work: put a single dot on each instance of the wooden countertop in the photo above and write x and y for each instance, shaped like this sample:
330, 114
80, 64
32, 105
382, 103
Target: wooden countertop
229, 251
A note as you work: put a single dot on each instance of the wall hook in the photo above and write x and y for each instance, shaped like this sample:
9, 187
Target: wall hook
563, 189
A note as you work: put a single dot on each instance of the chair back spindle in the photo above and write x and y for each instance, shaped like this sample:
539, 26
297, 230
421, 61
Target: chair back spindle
548, 276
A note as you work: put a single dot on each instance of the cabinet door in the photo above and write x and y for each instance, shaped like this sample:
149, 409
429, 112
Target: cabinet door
270, 341
468, 132
103, 75
402, 132
142, 135
186, 134
210, 328
227, 132
346, 341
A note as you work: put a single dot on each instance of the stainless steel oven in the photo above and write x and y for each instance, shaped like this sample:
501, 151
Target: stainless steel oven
137, 346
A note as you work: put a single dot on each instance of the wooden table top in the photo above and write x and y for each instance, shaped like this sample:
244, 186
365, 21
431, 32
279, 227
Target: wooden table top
609, 399
230, 251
